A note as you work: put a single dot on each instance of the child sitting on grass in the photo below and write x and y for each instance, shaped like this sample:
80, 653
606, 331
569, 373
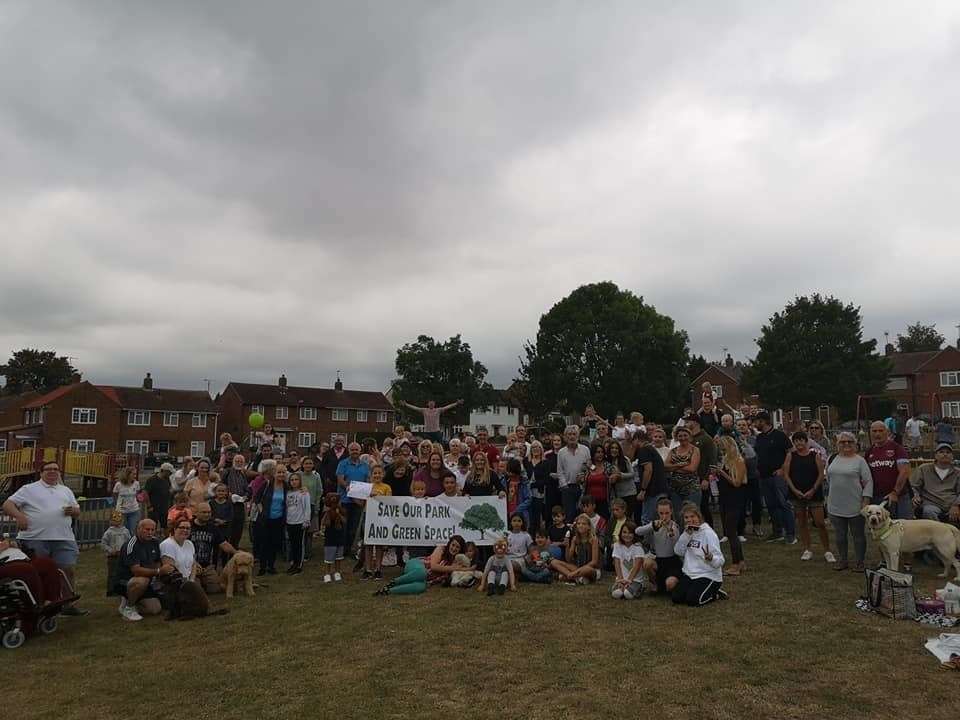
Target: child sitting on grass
466, 575
112, 542
582, 565
498, 572
559, 533
536, 564
628, 564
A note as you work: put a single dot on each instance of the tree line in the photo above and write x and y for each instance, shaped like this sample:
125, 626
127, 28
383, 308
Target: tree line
606, 346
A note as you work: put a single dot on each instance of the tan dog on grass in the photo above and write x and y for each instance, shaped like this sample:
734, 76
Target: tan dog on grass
238, 568
906, 536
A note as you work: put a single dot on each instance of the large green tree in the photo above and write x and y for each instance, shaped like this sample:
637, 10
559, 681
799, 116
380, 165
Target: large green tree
920, 337
443, 372
40, 370
605, 346
813, 353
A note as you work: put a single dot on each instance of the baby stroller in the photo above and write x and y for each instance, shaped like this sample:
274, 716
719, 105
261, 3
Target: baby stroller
21, 615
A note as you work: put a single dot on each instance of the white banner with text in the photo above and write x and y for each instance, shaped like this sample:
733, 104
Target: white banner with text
433, 521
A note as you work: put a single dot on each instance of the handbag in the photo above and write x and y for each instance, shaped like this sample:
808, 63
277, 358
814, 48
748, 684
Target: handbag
891, 593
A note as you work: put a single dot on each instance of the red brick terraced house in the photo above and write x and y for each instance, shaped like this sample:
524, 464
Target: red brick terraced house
302, 416
925, 383
106, 418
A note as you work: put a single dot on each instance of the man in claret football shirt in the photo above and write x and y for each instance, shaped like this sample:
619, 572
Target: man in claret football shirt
890, 466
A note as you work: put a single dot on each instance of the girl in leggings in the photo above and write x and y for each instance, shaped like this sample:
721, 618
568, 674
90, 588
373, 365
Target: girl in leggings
412, 582
699, 547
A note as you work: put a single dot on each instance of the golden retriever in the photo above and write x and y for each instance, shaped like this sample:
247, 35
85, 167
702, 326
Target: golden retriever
906, 536
238, 568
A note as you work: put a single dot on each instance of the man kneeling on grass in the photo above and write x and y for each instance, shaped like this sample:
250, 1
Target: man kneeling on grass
138, 577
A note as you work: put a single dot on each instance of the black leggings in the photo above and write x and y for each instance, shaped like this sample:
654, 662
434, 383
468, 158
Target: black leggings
695, 592
295, 552
731, 506
755, 500
705, 498
237, 522
271, 542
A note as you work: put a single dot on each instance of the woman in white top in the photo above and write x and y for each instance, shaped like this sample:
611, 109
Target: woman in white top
178, 481
177, 550
199, 489
699, 547
125, 499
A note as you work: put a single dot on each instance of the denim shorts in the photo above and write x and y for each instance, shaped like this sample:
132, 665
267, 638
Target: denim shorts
63, 552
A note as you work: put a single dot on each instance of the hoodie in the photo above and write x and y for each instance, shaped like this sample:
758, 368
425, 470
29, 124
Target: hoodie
690, 546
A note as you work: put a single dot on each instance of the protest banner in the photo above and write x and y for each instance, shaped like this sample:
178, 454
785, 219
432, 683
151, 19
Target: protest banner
433, 521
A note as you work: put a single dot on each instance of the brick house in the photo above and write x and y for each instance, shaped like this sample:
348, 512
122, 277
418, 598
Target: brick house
103, 418
926, 383
302, 416
726, 378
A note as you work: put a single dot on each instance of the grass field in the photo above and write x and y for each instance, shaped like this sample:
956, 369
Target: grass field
787, 644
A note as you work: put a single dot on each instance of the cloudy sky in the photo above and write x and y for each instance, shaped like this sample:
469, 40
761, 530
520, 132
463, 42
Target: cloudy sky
231, 190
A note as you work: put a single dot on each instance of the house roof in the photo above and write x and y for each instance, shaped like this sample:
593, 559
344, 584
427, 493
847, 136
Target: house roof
257, 394
8, 402
734, 372
51, 396
160, 399
910, 363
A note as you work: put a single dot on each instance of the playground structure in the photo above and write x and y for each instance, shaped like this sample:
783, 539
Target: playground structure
96, 470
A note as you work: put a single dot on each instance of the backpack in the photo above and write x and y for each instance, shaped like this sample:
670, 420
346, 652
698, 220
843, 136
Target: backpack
891, 593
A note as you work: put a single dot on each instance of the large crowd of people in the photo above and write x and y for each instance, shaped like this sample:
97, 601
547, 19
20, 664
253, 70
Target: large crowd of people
666, 509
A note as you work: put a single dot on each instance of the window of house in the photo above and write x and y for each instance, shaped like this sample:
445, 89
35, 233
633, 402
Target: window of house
138, 447
496, 409
950, 378
305, 440
198, 448
84, 446
138, 417
510, 410
256, 409
3, 444
897, 383
805, 414
199, 420
309, 413
282, 412
951, 409
33, 417
717, 391
171, 419
84, 416
823, 414
382, 416
361, 415
340, 415
163, 447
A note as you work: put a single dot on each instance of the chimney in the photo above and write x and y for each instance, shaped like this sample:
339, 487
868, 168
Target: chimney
729, 361
282, 382
338, 386
888, 349
148, 382
76, 377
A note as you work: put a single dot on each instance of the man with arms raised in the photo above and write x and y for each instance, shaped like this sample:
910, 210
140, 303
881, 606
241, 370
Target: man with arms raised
431, 417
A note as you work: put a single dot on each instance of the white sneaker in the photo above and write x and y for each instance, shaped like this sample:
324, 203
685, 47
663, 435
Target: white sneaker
327, 578
828, 556
723, 539
130, 613
806, 555
337, 577
123, 606
741, 538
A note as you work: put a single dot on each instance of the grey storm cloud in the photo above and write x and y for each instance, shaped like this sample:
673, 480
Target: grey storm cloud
230, 190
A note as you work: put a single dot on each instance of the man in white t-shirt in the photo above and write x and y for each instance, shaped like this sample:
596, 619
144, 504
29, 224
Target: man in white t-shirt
44, 511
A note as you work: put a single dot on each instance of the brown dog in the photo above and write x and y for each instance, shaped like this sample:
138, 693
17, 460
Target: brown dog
186, 600
238, 568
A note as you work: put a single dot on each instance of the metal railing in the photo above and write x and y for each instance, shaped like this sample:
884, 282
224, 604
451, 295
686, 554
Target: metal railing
87, 529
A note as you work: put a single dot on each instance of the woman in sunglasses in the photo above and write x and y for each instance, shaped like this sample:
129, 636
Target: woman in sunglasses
851, 487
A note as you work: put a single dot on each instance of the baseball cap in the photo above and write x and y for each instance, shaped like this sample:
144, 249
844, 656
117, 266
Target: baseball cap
944, 446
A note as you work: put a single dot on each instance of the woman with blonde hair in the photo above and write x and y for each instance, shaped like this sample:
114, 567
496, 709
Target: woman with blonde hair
126, 499
732, 479
480, 481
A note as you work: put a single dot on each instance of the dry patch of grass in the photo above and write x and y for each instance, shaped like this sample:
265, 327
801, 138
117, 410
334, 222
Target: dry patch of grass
788, 644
